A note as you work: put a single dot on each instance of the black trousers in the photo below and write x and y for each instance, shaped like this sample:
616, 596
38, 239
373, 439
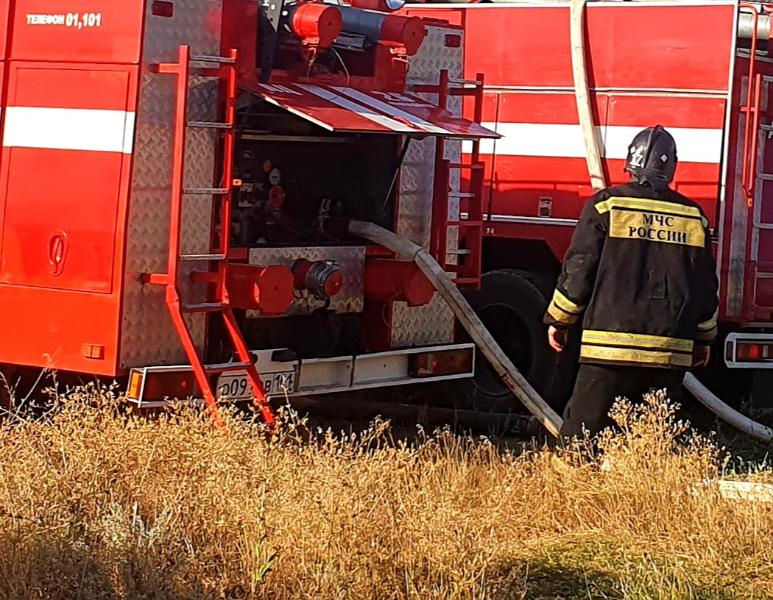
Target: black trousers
597, 387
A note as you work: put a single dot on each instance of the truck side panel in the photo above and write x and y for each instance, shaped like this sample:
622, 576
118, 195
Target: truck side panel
747, 259
147, 333
60, 226
647, 64
69, 100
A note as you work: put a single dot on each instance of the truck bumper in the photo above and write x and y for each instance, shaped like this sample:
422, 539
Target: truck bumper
157, 386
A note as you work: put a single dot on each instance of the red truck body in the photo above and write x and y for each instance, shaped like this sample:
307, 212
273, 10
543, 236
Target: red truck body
166, 163
684, 65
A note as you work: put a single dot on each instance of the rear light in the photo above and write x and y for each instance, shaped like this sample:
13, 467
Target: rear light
753, 352
175, 385
134, 390
163, 9
443, 362
150, 386
746, 351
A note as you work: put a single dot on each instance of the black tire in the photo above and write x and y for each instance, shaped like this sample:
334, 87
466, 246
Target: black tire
512, 303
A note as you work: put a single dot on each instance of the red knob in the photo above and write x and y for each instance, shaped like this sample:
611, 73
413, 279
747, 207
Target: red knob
333, 284
316, 23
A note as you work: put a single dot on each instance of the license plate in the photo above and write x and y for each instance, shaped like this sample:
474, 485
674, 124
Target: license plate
235, 386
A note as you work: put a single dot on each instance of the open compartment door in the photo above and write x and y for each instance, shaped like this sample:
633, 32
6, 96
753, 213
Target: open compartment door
345, 109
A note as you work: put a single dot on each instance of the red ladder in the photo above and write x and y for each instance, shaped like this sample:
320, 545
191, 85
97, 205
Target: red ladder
470, 222
752, 174
217, 256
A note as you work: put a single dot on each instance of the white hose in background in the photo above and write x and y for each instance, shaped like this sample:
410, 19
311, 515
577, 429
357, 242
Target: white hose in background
582, 95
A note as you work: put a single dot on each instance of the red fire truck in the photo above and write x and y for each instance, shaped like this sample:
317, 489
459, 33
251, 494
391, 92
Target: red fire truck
683, 64
176, 176
174, 179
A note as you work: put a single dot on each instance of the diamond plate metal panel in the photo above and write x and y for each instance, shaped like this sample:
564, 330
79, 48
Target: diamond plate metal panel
433, 323
195, 23
350, 260
416, 177
417, 174
200, 152
147, 334
434, 56
418, 326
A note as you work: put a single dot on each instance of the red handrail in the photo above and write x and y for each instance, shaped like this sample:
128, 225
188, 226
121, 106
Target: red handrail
753, 88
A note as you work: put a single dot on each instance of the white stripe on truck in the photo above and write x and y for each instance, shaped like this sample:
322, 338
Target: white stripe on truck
560, 140
358, 109
393, 111
69, 129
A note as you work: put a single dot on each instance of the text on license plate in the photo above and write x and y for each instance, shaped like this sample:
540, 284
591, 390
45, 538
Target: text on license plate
236, 386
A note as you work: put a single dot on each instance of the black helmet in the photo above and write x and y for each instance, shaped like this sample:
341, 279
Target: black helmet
652, 157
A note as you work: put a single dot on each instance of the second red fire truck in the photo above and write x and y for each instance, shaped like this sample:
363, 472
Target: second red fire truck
702, 69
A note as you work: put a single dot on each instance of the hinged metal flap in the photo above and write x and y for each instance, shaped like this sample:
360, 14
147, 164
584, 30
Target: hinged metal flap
345, 109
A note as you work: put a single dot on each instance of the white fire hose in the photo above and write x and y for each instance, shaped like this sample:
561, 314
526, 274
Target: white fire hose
728, 414
467, 317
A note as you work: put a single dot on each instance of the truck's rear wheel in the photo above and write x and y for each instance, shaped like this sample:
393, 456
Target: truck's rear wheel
511, 304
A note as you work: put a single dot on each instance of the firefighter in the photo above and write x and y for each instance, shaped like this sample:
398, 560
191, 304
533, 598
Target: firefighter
640, 278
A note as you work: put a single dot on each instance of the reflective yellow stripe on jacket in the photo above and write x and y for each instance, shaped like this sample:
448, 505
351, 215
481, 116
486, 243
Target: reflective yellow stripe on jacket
654, 221
634, 348
648, 204
564, 310
707, 330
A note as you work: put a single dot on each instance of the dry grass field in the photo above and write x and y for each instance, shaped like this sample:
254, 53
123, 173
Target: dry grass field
96, 502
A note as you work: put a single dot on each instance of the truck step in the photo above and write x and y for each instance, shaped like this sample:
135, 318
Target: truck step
204, 307
206, 191
209, 125
460, 252
207, 58
201, 257
461, 195
465, 223
470, 82
472, 167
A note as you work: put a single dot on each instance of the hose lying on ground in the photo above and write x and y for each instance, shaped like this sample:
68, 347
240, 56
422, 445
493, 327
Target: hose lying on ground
725, 412
467, 317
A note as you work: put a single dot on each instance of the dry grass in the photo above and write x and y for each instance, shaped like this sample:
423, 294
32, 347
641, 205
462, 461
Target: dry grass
95, 503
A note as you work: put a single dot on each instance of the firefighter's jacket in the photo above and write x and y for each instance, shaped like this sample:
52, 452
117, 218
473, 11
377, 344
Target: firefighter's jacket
640, 275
